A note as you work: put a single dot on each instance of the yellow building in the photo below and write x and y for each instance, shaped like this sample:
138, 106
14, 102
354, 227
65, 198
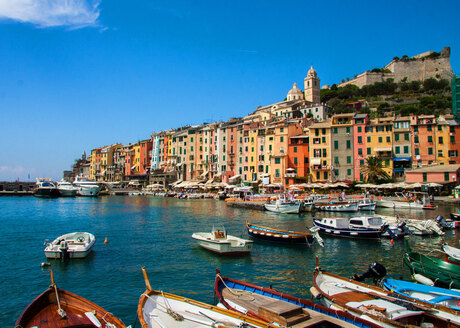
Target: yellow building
136, 158
442, 142
252, 154
379, 143
320, 151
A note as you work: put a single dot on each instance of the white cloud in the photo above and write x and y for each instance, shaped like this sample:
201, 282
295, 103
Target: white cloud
49, 13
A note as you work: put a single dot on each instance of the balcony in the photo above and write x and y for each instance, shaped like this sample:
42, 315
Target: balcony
290, 175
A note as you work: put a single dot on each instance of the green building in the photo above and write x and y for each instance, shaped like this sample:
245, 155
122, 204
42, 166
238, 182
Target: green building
456, 97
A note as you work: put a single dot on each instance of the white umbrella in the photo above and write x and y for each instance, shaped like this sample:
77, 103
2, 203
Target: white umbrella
414, 185
434, 184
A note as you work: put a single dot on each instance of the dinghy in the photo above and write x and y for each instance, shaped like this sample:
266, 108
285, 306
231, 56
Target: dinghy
75, 245
163, 310
278, 235
372, 303
451, 254
274, 306
56, 307
218, 241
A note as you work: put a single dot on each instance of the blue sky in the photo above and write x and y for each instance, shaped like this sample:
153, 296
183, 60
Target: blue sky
79, 74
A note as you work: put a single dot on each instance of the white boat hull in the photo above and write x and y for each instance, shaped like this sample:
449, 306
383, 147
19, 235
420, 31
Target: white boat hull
283, 208
74, 245
398, 204
88, 191
68, 192
230, 245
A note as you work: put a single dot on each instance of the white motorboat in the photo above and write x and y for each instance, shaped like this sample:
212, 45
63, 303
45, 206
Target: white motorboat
416, 227
218, 241
366, 204
45, 188
418, 201
74, 245
66, 189
283, 206
86, 187
451, 254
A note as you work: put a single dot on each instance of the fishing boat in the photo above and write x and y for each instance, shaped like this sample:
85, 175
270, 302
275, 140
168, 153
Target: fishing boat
431, 270
160, 310
56, 307
66, 189
416, 227
451, 254
284, 310
337, 207
86, 187
218, 241
281, 205
372, 303
278, 235
75, 245
364, 227
419, 200
444, 300
45, 188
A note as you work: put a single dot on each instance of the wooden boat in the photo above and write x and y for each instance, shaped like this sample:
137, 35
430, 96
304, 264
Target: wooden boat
274, 306
337, 207
279, 236
160, 309
281, 205
442, 273
451, 254
363, 227
56, 307
444, 300
218, 241
372, 303
75, 245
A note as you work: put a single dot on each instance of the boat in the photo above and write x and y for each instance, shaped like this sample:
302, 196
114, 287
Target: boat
75, 245
282, 309
45, 188
279, 236
416, 227
444, 300
366, 204
419, 200
282, 205
432, 270
86, 187
66, 189
56, 307
218, 241
158, 309
364, 227
451, 254
337, 207
455, 217
372, 303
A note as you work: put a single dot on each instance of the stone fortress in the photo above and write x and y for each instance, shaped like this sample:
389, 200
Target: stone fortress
418, 68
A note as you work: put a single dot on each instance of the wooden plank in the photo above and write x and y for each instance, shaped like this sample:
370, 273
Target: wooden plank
351, 296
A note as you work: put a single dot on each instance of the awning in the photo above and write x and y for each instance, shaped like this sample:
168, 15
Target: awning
398, 170
235, 177
175, 183
132, 168
265, 175
315, 161
401, 159
379, 149
205, 173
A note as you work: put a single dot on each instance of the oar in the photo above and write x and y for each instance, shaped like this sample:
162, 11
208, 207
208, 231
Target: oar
60, 310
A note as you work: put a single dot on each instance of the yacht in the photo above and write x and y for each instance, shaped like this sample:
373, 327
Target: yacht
86, 187
66, 189
45, 188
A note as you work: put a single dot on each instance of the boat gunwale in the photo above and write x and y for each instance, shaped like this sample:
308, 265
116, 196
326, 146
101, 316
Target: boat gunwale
291, 234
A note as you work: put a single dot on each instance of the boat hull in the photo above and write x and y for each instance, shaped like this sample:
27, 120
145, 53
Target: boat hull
399, 204
67, 192
283, 208
46, 193
230, 246
279, 236
351, 207
70, 255
74, 245
88, 191
348, 233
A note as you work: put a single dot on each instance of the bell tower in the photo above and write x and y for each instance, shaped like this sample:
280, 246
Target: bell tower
312, 89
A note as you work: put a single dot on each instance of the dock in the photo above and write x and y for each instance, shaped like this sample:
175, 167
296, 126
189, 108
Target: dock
258, 206
16, 193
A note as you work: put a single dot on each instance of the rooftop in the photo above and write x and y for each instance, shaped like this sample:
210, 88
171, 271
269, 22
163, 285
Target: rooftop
436, 169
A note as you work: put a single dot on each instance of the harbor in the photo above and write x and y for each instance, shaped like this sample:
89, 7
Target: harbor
156, 232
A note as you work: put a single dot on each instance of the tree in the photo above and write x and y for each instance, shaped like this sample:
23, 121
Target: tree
373, 169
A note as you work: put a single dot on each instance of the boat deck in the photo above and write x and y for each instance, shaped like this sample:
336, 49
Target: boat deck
281, 312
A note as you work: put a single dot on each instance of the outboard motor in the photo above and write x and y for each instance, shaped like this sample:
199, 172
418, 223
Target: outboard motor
376, 271
442, 222
403, 227
63, 247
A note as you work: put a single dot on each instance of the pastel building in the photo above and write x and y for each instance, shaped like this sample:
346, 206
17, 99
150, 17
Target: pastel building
320, 151
379, 142
402, 146
298, 160
342, 147
359, 144
424, 139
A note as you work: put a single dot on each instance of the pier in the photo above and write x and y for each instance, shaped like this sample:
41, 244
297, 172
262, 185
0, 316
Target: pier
258, 206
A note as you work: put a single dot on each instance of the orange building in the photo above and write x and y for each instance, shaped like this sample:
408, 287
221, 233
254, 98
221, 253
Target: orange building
298, 153
424, 139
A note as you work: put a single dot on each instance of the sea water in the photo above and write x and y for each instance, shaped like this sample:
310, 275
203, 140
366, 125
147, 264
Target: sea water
155, 233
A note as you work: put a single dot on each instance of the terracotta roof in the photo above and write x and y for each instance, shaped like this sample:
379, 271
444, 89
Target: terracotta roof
436, 169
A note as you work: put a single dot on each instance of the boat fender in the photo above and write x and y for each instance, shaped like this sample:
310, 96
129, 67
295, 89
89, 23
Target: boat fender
45, 264
315, 293
423, 280
106, 241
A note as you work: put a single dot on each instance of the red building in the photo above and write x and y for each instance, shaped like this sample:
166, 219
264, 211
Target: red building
298, 167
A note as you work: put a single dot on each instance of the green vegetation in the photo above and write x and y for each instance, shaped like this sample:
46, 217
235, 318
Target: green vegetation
373, 170
404, 98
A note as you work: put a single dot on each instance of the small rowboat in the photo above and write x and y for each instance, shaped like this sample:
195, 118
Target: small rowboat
442, 273
219, 242
75, 245
279, 236
445, 300
56, 307
373, 303
160, 310
285, 310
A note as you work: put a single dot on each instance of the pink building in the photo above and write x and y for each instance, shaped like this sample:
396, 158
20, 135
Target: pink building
438, 173
359, 144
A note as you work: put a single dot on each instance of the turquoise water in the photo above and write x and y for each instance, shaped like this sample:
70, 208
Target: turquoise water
156, 233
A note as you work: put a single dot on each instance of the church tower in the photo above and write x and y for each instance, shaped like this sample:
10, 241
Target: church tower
312, 89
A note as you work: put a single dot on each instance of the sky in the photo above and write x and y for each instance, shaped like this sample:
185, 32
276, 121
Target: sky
80, 74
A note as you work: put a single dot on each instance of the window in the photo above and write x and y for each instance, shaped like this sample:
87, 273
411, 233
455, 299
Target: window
360, 151
397, 150
295, 160
424, 177
446, 176
430, 138
277, 173
430, 151
281, 129
360, 129
416, 139
349, 172
348, 144
429, 128
396, 136
270, 147
369, 139
387, 162
388, 139
361, 162
317, 132
295, 149
324, 131
452, 139
305, 160
348, 159
277, 160
336, 172
406, 136
453, 153
324, 152
336, 160
281, 139
417, 151
325, 175
318, 176
440, 153
334, 130
336, 144
348, 129
441, 140
380, 139
406, 149
416, 128
323, 139
360, 139
368, 151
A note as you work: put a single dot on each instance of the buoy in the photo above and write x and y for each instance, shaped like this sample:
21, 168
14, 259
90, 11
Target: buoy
106, 241
392, 241
423, 280
45, 264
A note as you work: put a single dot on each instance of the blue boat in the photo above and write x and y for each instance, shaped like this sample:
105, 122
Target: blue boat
363, 227
444, 300
285, 310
